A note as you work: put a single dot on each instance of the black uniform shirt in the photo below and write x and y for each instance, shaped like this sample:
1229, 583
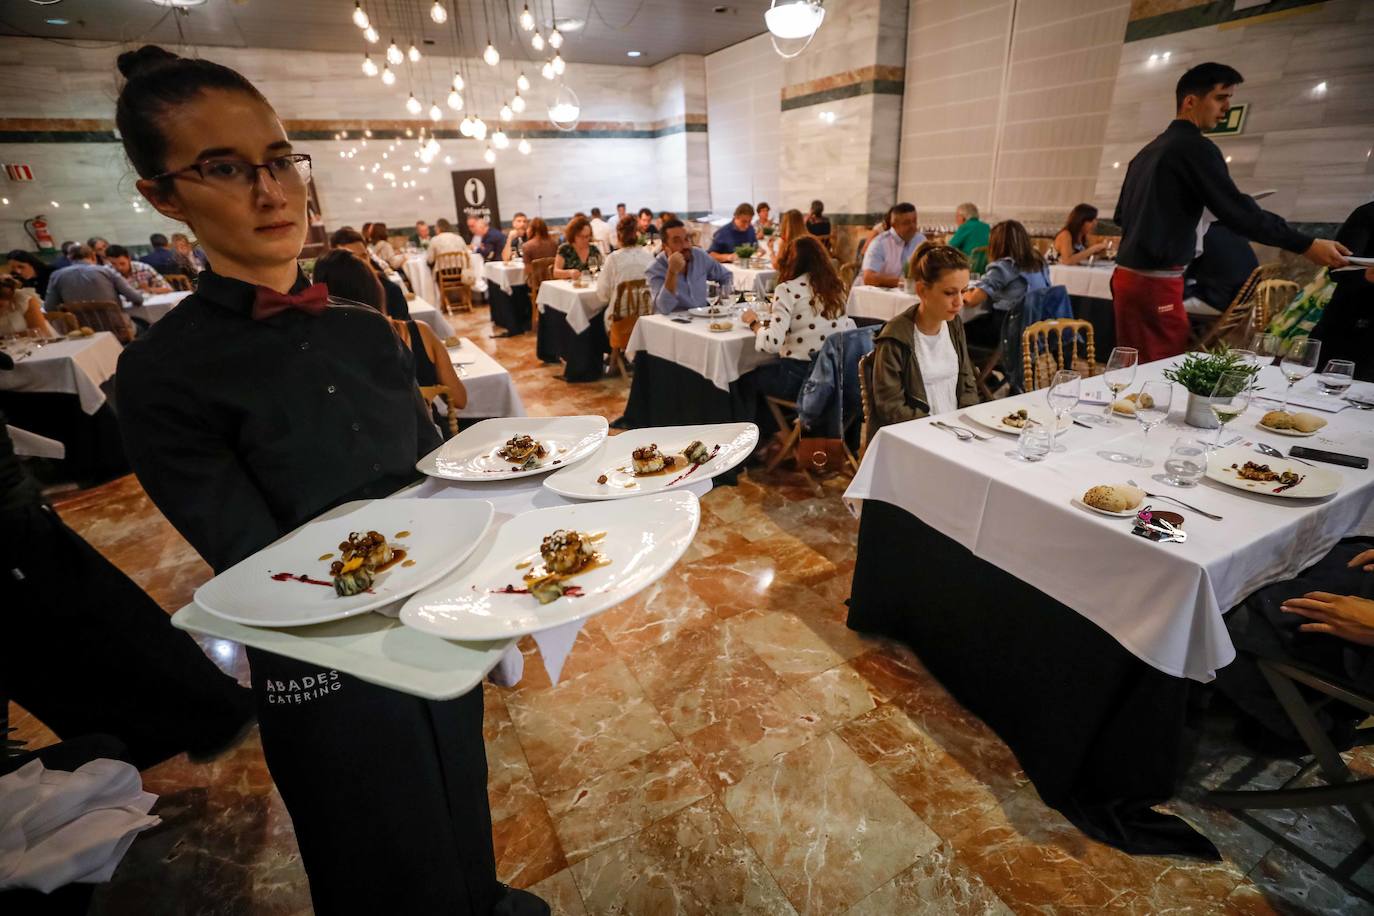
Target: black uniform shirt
1167, 185
241, 430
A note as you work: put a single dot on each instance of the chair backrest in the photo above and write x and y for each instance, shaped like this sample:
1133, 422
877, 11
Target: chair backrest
830, 393
449, 267
631, 299
1272, 297
1044, 350
429, 393
62, 322
847, 274
1240, 314
179, 282
536, 272
103, 316
866, 398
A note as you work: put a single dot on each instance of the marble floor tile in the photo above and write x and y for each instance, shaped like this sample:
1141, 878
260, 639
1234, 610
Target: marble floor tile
838, 694
560, 892
527, 848
935, 886
695, 863
654, 616
621, 801
726, 751
827, 828
786, 645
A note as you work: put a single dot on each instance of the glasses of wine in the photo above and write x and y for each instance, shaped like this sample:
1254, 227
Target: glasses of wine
1298, 363
1062, 395
1118, 375
1230, 398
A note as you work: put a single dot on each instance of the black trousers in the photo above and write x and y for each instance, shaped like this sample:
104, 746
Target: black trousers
387, 792
87, 651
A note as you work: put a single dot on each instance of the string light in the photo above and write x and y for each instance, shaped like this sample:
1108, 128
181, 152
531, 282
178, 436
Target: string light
455, 101
491, 55
517, 104
458, 82
500, 140
388, 77
413, 104
413, 54
522, 83
465, 126
435, 112
489, 155
479, 129
526, 19
360, 16
558, 65
506, 113
55, 204
555, 38
372, 36
547, 71
438, 13
85, 206
369, 66
393, 53
537, 41
524, 147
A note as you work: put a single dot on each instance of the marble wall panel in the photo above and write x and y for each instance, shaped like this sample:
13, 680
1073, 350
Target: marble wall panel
743, 90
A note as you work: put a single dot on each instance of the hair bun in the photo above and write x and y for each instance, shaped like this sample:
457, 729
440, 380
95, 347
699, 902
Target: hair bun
146, 58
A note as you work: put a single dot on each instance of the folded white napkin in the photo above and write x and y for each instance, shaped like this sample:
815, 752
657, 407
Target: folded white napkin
58, 827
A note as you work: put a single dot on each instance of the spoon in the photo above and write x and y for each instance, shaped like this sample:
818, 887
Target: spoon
1275, 453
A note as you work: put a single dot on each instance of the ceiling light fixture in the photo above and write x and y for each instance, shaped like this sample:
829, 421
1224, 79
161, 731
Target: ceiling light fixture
506, 112
517, 103
526, 19
566, 109
500, 140
558, 65
360, 16
491, 55
388, 77
58, 21
522, 83
435, 112
489, 155
547, 71
633, 53
793, 20
393, 53
455, 101
369, 66
537, 41
413, 104
524, 147
555, 38
465, 126
458, 82
479, 128
371, 35
413, 54
438, 13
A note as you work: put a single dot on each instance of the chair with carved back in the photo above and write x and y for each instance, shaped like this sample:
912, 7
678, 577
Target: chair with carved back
866, 397
1058, 343
1271, 298
429, 393
847, 274
1239, 317
179, 282
62, 322
536, 272
102, 316
450, 276
629, 302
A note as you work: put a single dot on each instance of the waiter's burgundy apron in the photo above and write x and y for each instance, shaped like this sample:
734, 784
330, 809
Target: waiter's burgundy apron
1149, 313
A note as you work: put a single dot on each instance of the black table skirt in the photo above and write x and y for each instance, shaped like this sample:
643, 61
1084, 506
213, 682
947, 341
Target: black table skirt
663, 393
1098, 313
1099, 732
583, 355
510, 311
94, 449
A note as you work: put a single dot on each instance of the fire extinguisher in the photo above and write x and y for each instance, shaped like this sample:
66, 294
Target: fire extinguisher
37, 229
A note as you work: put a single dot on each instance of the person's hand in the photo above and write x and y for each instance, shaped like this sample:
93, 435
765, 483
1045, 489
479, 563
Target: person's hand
1345, 616
1369, 275
676, 263
1326, 253
748, 317
1100, 246
1365, 560
576, 274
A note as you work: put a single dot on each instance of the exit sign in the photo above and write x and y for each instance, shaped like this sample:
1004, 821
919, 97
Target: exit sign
18, 172
1234, 122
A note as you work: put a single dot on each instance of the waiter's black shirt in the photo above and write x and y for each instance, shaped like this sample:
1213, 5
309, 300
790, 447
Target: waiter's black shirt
242, 430
18, 491
1167, 185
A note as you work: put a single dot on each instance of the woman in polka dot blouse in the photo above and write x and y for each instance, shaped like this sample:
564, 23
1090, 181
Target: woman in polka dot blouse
809, 308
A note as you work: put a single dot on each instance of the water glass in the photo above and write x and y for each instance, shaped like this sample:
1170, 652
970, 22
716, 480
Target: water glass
1152, 409
1298, 363
1186, 464
1034, 443
1337, 377
1117, 376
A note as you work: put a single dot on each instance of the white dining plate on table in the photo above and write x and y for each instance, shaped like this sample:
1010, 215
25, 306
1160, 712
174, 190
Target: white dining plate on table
1316, 482
438, 534
730, 442
710, 311
992, 413
1125, 513
643, 539
1286, 432
472, 454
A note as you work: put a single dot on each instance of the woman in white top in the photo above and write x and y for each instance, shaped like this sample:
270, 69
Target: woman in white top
809, 308
626, 262
21, 310
382, 248
921, 364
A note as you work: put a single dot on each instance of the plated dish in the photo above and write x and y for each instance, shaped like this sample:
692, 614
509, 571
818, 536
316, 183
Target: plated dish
1284, 423
553, 566
1248, 470
655, 459
1011, 418
710, 311
1118, 500
508, 448
358, 557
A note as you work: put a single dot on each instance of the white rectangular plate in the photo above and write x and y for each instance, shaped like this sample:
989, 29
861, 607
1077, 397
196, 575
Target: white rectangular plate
644, 539
991, 414
471, 455
440, 535
1316, 483
736, 441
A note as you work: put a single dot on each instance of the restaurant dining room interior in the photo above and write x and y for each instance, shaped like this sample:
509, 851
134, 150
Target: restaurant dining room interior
654, 457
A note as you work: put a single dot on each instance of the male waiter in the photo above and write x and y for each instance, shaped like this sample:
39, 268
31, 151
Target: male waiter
1168, 184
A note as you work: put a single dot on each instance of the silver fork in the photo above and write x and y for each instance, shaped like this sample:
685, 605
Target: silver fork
961, 432
1172, 499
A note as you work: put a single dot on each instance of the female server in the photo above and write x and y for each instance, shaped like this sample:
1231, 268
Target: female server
253, 407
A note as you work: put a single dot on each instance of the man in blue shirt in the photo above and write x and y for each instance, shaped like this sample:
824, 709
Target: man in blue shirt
733, 234
86, 281
887, 255
162, 258
678, 276
487, 240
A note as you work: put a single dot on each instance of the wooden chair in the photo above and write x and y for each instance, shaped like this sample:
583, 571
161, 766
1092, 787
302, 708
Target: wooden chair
1239, 315
450, 269
103, 316
866, 397
536, 272
630, 301
179, 282
1043, 350
62, 322
429, 393
847, 274
1272, 297
1042, 244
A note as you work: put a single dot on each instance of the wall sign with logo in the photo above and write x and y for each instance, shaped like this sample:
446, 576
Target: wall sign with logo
475, 192
1232, 124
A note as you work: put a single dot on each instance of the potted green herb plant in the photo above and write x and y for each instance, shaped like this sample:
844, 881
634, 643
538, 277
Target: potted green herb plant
744, 252
1199, 373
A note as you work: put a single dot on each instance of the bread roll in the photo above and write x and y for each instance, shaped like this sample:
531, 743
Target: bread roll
1124, 406
1277, 419
1114, 497
1307, 422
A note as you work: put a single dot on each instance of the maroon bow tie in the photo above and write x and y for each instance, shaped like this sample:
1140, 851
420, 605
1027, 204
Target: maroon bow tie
313, 300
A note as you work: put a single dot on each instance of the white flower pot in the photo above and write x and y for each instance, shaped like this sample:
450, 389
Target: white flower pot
1200, 412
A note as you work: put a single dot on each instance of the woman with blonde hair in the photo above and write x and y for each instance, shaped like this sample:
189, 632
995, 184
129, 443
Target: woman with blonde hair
791, 228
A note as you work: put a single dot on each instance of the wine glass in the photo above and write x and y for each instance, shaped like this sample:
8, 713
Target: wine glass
1151, 409
1337, 377
1298, 363
1230, 398
1266, 347
1062, 395
712, 293
1118, 376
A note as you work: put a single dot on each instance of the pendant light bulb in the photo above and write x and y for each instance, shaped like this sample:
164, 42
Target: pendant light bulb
388, 77
455, 101
555, 38
479, 129
489, 155
537, 41
465, 126
526, 19
517, 104
522, 83
413, 54
491, 55
369, 66
393, 53
506, 112
413, 104
524, 147
458, 83
558, 65
500, 140
547, 71
435, 112
370, 33
438, 13
360, 16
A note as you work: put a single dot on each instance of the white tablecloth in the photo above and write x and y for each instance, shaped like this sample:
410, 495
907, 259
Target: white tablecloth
157, 306
421, 277
76, 367
505, 275
718, 356
422, 310
581, 304
1080, 280
885, 303
491, 392
758, 279
1163, 602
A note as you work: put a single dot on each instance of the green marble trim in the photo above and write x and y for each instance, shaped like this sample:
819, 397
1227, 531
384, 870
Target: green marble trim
1200, 17
105, 136
853, 90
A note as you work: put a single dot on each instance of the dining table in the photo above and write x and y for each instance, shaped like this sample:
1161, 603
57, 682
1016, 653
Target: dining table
1074, 639
420, 273
571, 329
875, 304
490, 389
757, 277
509, 296
422, 309
1090, 291
156, 306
